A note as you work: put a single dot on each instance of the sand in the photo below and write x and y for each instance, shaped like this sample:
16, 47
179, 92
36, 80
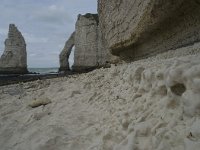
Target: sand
151, 104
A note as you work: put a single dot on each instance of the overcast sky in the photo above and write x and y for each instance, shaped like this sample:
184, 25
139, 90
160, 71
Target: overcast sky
45, 25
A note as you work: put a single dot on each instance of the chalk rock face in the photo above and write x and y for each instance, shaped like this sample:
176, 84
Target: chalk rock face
89, 51
141, 28
14, 58
64, 55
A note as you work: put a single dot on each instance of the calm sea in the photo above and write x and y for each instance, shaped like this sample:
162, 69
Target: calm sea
43, 70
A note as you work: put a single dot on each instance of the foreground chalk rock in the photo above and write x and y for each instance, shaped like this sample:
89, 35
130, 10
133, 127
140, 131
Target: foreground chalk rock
141, 28
150, 104
39, 102
89, 50
14, 58
64, 55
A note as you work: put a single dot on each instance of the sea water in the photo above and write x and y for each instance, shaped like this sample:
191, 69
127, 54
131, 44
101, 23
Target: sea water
43, 70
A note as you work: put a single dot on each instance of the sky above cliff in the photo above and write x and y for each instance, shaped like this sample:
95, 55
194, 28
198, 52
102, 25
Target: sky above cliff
45, 25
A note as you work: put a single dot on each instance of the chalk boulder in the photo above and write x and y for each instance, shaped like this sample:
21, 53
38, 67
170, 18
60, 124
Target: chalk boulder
14, 57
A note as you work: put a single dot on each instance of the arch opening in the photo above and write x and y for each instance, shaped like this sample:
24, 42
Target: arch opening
71, 58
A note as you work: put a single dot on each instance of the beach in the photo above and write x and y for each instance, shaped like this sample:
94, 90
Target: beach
150, 104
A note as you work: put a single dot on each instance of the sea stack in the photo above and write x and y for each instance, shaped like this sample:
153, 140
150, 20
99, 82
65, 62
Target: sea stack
90, 47
14, 57
89, 53
86, 39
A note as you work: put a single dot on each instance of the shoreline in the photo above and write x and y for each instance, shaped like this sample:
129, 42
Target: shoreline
17, 78
7, 79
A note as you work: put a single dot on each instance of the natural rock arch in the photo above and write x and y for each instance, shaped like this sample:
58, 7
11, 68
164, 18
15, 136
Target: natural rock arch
64, 55
90, 50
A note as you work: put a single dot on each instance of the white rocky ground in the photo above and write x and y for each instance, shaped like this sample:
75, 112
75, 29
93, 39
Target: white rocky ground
151, 104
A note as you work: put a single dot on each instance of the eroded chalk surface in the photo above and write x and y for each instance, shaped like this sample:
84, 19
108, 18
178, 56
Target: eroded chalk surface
151, 104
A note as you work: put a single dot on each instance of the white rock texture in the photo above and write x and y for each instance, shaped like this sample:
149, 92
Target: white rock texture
65, 53
151, 104
136, 29
14, 58
89, 52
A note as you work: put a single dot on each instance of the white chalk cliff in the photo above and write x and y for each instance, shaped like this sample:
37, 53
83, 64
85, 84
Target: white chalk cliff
149, 104
136, 29
14, 58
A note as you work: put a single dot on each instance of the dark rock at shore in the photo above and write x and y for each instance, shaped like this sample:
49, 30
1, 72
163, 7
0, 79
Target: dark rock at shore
17, 78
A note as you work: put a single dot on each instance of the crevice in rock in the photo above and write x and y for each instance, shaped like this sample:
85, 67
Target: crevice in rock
178, 89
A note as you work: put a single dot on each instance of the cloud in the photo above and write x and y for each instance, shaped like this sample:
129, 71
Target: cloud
54, 53
3, 34
60, 46
52, 14
3, 31
32, 55
30, 38
45, 25
38, 55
